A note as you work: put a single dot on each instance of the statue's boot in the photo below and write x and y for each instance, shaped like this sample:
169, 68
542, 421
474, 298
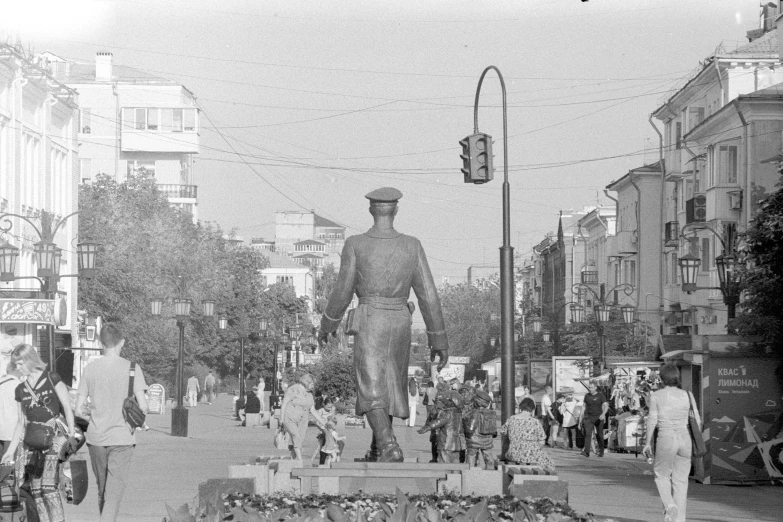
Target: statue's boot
384, 445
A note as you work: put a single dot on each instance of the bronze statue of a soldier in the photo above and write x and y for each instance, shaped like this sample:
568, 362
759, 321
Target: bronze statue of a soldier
380, 267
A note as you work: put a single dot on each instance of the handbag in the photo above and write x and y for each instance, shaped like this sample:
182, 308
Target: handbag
281, 439
131, 411
699, 447
9, 496
39, 435
351, 328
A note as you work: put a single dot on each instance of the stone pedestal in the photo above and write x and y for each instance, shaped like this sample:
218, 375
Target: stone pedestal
480, 482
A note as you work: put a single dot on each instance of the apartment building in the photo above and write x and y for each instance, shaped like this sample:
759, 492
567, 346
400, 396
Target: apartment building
131, 121
723, 132
635, 256
38, 174
313, 240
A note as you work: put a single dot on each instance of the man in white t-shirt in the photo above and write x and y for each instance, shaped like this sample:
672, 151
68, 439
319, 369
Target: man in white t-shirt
110, 439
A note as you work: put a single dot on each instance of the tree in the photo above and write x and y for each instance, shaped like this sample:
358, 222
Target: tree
466, 311
144, 244
324, 286
761, 273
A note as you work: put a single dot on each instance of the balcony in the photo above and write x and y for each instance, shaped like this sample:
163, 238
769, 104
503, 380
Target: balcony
179, 191
159, 141
590, 277
627, 242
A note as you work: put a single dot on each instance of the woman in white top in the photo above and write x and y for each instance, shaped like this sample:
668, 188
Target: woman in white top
413, 401
669, 409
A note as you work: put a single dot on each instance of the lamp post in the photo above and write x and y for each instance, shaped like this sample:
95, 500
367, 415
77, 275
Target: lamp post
48, 258
223, 325
182, 305
278, 340
602, 311
554, 323
477, 161
726, 263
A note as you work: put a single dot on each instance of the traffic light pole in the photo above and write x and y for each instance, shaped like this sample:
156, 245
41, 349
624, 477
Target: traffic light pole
506, 270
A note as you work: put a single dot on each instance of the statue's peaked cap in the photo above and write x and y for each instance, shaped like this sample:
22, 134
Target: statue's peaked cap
384, 195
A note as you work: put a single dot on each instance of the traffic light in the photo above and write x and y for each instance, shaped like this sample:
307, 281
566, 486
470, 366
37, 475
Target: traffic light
477, 158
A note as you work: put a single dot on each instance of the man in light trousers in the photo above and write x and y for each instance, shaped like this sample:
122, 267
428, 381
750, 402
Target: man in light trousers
110, 439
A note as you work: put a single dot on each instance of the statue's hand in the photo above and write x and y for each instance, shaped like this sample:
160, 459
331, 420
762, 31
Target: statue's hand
443, 357
323, 338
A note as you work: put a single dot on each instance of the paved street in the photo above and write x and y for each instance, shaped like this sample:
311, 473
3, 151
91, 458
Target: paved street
168, 470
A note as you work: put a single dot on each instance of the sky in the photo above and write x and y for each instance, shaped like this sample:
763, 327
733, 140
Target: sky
312, 104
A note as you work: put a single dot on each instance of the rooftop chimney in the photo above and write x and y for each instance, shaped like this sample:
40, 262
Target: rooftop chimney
769, 13
103, 66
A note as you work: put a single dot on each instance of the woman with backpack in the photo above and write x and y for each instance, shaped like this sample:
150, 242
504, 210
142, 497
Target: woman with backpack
42, 399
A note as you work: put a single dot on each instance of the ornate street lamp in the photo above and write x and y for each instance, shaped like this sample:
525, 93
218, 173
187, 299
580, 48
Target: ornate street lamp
628, 312
8, 256
547, 335
602, 311
536, 322
48, 259
577, 313
86, 252
179, 414
689, 269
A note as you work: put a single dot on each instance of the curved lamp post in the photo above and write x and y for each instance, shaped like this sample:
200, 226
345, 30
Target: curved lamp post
182, 306
726, 263
602, 311
280, 340
48, 258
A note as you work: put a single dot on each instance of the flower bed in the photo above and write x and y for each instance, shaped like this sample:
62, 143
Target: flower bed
380, 508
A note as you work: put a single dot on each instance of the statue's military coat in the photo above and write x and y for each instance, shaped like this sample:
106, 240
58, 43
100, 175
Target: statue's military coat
381, 267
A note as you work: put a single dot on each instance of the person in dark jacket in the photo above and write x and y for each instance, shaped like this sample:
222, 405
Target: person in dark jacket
480, 431
448, 422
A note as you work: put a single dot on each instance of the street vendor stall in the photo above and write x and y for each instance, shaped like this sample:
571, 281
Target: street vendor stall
630, 383
737, 385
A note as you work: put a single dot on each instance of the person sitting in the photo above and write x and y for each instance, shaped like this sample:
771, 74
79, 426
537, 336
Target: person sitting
526, 437
252, 404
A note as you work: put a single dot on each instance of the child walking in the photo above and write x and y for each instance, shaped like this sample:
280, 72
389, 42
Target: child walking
333, 444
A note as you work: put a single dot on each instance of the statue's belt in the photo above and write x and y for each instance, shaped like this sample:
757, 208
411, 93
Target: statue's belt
385, 303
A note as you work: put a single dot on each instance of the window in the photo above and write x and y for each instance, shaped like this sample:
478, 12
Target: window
190, 119
136, 166
141, 119
675, 268
152, 119
727, 164
128, 119
629, 272
30, 172
695, 117
705, 254
85, 172
4, 188
678, 135
177, 120
165, 120
86, 121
